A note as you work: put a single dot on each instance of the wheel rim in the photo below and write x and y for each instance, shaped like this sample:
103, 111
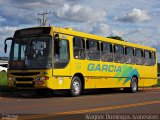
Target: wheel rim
76, 87
134, 85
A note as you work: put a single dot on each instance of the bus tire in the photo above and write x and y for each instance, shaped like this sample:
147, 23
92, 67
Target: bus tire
134, 85
76, 87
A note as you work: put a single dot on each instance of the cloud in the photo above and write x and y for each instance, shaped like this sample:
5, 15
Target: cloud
136, 15
7, 30
33, 4
116, 33
101, 29
3, 1
25, 12
80, 13
14, 16
85, 27
139, 36
2, 19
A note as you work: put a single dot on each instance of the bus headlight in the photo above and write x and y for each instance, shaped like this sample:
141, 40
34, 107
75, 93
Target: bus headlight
42, 78
45, 78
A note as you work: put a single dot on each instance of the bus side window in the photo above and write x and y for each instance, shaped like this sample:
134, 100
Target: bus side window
139, 57
153, 58
106, 52
93, 50
118, 53
79, 48
129, 55
148, 58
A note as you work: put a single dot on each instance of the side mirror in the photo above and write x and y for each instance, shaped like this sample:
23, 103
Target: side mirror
5, 45
5, 48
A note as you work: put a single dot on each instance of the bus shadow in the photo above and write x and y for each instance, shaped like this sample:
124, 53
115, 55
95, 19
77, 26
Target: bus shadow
15, 93
105, 91
30, 94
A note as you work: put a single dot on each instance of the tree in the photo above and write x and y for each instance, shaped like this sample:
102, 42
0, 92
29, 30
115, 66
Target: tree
116, 37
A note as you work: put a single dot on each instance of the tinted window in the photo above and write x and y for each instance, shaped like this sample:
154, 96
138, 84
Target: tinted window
19, 50
93, 52
16, 50
61, 53
148, 58
79, 48
118, 53
139, 57
106, 52
23, 48
129, 52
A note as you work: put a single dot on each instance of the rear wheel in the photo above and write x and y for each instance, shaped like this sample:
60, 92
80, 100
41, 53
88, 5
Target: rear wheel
76, 86
134, 85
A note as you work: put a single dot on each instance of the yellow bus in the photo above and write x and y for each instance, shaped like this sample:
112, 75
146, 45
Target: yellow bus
56, 58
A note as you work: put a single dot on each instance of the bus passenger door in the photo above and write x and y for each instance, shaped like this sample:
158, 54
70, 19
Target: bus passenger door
61, 60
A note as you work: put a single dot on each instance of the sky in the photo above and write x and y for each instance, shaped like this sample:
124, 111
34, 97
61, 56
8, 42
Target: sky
136, 21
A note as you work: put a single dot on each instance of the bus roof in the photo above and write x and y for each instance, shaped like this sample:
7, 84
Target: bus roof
68, 31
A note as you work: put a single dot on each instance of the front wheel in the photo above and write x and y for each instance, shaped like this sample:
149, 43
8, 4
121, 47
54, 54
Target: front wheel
76, 86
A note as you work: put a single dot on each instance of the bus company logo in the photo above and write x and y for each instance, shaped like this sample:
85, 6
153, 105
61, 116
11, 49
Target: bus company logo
104, 67
122, 73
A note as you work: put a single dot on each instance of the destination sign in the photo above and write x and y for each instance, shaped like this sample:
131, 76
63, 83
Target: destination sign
32, 31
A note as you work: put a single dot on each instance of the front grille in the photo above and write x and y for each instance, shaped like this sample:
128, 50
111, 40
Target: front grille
24, 79
26, 73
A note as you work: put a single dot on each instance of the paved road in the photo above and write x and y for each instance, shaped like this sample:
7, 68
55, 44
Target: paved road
27, 105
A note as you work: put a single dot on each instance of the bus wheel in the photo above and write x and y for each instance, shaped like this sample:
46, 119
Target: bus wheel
134, 85
76, 87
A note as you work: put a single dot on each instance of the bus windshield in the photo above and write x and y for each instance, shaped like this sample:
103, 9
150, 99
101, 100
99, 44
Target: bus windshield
31, 53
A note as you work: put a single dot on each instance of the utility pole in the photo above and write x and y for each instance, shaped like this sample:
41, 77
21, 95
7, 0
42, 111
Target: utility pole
39, 21
43, 21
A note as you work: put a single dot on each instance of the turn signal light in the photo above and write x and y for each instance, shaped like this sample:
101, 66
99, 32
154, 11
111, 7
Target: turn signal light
46, 78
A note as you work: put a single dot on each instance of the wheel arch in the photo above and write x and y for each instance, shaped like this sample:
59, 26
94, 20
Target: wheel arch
80, 75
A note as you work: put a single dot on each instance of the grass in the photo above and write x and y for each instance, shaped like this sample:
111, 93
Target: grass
3, 78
